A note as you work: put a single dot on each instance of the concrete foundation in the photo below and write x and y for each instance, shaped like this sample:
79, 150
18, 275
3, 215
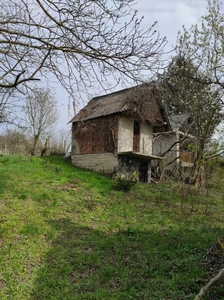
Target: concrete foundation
105, 163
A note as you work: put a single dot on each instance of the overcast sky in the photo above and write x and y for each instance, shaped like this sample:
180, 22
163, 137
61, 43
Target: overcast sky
171, 15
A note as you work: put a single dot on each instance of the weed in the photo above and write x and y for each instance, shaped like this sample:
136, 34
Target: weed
57, 169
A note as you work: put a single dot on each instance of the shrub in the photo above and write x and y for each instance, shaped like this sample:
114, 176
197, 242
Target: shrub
125, 181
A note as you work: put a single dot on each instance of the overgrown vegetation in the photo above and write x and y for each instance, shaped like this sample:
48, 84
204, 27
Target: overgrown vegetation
125, 181
67, 234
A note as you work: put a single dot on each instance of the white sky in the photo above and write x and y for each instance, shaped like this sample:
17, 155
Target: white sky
170, 14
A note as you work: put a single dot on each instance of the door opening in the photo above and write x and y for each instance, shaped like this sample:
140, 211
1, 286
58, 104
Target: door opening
136, 137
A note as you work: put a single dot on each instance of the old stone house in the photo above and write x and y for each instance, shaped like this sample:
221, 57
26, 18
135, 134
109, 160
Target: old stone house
114, 133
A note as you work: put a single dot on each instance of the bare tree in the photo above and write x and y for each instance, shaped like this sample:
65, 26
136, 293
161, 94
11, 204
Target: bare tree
41, 114
61, 141
4, 99
82, 43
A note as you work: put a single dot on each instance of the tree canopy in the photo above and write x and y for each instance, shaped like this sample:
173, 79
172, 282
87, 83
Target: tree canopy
202, 44
183, 94
194, 82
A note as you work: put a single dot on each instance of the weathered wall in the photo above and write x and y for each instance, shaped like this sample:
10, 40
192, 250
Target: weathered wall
95, 136
95, 143
125, 135
162, 143
146, 137
103, 163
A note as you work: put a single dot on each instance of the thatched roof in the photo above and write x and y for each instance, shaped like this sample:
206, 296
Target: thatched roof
141, 102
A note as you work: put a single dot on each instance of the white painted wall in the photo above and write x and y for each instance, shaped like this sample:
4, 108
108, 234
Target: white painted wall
146, 137
125, 135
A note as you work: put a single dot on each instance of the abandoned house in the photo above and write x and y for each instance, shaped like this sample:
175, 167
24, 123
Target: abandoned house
175, 146
114, 133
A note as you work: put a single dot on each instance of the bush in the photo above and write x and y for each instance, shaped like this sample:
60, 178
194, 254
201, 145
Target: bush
125, 181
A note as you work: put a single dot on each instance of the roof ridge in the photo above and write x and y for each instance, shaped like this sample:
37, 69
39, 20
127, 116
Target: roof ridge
122, 91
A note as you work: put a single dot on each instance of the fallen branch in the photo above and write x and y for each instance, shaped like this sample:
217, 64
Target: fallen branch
205, 289
221, 244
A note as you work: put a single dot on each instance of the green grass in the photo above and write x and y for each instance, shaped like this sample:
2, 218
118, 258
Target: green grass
66, 234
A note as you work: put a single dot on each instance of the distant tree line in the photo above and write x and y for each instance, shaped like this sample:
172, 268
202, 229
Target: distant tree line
16, 141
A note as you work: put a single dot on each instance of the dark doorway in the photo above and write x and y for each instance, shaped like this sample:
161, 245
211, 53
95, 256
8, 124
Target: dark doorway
143, 171
136, 137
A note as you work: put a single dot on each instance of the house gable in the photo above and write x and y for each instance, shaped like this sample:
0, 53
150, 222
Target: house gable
141, 103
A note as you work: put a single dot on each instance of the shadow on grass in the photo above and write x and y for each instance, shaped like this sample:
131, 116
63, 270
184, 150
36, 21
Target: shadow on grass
88, 264
2, 185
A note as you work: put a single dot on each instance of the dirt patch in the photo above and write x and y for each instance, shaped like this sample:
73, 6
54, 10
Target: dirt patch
68, 186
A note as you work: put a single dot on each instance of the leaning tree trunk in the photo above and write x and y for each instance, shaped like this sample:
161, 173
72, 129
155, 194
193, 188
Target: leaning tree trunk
197, 174
46, 150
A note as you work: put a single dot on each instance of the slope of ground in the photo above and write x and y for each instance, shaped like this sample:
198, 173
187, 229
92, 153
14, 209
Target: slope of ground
67, 234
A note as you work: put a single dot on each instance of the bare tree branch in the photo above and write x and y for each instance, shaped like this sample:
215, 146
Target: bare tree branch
75, 41
206, 288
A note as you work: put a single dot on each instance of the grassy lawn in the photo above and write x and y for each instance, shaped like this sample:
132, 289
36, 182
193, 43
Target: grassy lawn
67, 234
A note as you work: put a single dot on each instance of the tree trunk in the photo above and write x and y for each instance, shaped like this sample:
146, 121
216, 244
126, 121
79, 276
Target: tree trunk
36, 139
197, 174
